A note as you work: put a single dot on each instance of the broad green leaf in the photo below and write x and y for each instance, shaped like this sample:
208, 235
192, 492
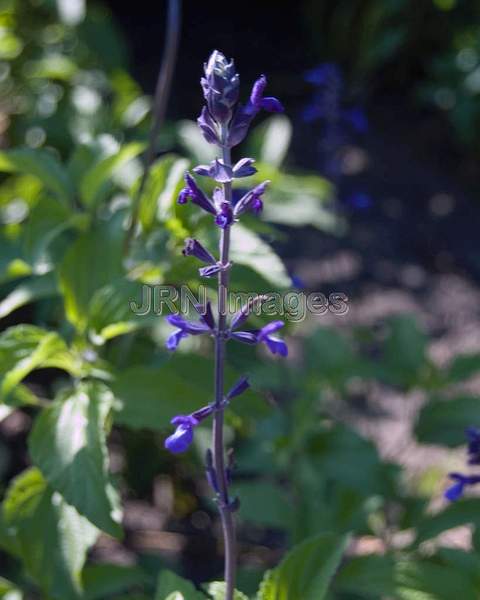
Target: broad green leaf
97, 179
276, 136
463, 367
111, 314
24, 348
51, 538
444, 421
453, 515
41, 164
249, 249
367, 576
68, 443
307, 570
405, 351
91, 262
217, 590
150, 396
100, 581
30, 290
264, 503
42, 241
161, 190
172, 587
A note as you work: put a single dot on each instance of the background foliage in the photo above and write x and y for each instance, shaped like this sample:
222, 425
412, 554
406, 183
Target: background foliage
90, 388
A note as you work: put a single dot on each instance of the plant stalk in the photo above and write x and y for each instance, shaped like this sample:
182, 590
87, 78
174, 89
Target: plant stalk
225, 510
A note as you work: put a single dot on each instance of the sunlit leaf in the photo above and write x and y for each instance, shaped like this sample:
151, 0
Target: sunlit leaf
28, 291
306, 571
38, 518
68, 443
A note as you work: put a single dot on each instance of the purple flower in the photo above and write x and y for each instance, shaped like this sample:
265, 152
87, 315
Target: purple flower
359, 200
238, 388
456, 490
217, 170
264, 335
220, 86
244, 168
194, 248
473, 448
252, 200
257, 100
186, 328
324, 74
208, 126
244, 115
192, 191
182, 437
224, 216
357, 119
211, 270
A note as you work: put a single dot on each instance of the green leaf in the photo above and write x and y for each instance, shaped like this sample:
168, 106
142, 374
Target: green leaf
217, 589
463, 367
172, 587
306, 571
91, 262
161, 190
30, 290
367, 576
276, 135
95, 182
68, 443
148, 397
24, 348
264, 503
51, 538
405, 351
41, 164
463, 512
444, 421
249, 249
100, 581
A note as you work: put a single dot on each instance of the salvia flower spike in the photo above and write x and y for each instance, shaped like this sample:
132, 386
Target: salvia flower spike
225, 123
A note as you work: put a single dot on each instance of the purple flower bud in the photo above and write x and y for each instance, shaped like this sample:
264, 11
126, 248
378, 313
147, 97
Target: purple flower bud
192, 191
194, 248
224, 216
271, 104
174, 339
251, 200
211, 270
244, 168
240, 386
208, 127
239, 125
220, 86
247, 337
258, 88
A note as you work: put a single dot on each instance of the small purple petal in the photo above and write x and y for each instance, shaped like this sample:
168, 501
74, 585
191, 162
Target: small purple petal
220, 171
240, 386
174, 339
203, 170
210, 271
269, 329
194, 248
271, 104
247, 337
258, 88
180, 440
224, 217
244, 168
455, 491
276, 345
